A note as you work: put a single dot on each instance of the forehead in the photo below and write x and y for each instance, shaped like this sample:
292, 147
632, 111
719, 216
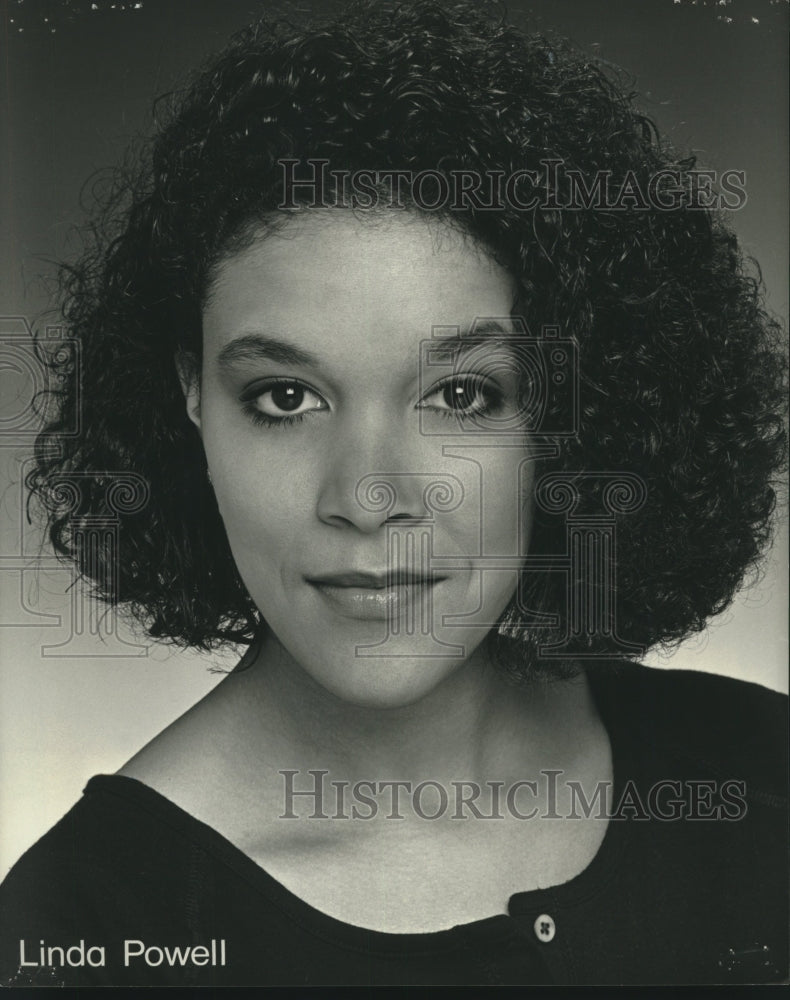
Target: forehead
339, 280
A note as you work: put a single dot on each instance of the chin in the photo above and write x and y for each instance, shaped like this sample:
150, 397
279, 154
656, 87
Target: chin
387, 682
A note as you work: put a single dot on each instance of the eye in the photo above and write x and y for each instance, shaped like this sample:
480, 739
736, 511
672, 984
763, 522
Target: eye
282, 400
463, 395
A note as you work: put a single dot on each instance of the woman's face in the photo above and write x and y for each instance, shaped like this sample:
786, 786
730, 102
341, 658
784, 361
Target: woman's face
315, 388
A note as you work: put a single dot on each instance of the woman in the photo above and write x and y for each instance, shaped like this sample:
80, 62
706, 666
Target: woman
445, 391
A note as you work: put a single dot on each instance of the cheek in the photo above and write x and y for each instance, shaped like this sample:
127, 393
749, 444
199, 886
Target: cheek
265, 499
500, 514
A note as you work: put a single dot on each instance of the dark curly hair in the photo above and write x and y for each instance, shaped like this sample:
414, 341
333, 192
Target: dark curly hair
681, 370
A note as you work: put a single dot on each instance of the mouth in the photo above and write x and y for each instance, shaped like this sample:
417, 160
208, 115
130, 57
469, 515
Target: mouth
375, 580
378, 596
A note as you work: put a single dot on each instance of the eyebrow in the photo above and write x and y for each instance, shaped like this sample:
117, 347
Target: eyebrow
251, 347
261, 346
449, 348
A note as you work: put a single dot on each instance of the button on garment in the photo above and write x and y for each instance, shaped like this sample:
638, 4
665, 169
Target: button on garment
545, 928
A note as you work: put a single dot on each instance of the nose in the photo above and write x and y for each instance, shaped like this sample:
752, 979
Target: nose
370, 479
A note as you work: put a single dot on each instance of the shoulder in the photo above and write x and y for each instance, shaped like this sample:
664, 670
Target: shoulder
728, 726
103, 836
106, 867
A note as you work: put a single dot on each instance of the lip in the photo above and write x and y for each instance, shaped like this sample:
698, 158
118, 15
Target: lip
377, 596
374, 579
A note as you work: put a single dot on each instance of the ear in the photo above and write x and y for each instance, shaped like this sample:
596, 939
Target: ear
189, 376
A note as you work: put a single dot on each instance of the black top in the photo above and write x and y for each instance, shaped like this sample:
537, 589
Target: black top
699, 898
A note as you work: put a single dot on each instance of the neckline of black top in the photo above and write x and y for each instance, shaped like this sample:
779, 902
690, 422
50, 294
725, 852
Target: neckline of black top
591, 881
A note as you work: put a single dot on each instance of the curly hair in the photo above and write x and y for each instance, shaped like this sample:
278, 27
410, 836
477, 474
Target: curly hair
681, 371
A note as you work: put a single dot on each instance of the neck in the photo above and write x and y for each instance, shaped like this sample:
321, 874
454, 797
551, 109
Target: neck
476, 725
